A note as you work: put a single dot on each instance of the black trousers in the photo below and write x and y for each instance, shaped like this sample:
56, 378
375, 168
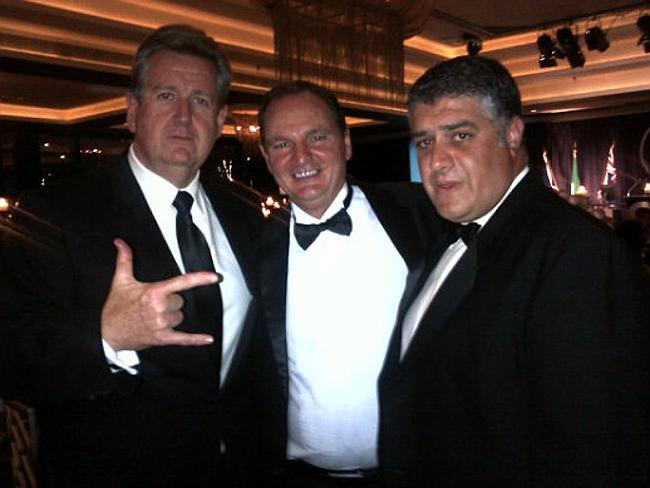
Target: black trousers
298, 474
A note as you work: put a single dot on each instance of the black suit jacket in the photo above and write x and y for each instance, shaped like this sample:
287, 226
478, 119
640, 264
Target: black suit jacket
530, 369
166, 424
403, 210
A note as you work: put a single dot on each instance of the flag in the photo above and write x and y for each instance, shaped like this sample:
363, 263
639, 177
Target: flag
610, 168
552, 182
575, 176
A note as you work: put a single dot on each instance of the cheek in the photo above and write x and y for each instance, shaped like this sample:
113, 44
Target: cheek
208, 127
277, 166
425, 170
428, 187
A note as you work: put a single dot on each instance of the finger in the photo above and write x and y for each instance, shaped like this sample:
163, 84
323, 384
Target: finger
174, 319
174, 302
175, 338
188, 281
123, 263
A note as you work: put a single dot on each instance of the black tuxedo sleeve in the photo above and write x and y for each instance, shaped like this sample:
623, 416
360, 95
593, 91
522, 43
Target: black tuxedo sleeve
50, 341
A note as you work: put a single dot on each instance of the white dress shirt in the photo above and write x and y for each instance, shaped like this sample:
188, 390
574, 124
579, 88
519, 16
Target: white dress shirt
159, 194
342, 299
439, 274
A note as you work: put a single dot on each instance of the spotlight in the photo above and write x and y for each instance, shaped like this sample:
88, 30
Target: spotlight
596, 39
644, 26
548, 51
569, 45
474, 44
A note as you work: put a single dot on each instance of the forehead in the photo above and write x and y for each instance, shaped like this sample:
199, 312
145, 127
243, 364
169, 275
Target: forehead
169, 66
303, 108
447, 109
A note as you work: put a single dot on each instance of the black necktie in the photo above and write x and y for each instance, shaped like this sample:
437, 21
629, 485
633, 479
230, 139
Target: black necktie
466, 232
196, 257
340, 223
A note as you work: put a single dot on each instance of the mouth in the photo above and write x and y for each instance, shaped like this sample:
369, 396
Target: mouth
445, 185
307, 173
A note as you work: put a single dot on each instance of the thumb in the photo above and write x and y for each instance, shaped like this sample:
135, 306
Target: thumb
123, 263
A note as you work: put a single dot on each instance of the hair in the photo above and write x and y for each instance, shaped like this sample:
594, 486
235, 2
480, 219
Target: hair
482, 78
296, 88
181, 39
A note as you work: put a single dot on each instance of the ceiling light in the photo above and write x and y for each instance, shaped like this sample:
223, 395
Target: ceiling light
644, 26
548, 51
474, 44
596, 39
569, 45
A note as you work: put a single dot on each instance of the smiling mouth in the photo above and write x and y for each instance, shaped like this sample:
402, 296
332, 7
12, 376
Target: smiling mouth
306, 173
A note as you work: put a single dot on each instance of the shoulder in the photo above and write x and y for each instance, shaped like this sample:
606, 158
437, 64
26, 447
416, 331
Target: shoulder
405, 198
76, 196
554, 227
233, 198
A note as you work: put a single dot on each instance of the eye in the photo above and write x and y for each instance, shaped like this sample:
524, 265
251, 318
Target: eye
279, 145
423, 144
318, 137
202, 101
461, 136
165, 96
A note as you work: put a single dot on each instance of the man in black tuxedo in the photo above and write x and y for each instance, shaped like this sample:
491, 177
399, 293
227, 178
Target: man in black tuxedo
522, 360
332, 271
137, 364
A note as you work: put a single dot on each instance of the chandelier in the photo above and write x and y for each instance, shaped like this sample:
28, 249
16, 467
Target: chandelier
352, 47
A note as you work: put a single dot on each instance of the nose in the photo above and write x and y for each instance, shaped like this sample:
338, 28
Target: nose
301, 153
183, 110
440, 158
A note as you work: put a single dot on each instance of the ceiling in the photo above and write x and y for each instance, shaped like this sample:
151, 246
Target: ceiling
67, 62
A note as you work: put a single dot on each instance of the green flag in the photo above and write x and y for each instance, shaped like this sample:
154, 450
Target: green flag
575, 176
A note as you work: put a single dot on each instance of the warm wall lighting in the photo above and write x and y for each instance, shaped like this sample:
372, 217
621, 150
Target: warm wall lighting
4, 205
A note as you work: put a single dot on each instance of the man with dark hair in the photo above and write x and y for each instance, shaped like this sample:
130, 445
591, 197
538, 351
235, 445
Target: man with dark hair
522, 358
332, 277
137, 363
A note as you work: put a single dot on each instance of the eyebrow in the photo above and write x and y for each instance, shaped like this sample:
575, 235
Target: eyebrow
316, 130
446, 127
175, 89
459, 124
163, 87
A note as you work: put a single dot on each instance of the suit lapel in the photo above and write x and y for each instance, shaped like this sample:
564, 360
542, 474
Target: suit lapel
414, 283
230, 208
398, 222
133, 222
460, 281
131, 219
274, 245
236, 212
453, 291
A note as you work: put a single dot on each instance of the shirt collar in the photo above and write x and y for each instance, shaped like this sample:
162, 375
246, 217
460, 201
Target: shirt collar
155, 187
303, 217
482, 220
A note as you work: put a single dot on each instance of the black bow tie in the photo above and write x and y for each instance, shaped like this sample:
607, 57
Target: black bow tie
466, 232
340, 223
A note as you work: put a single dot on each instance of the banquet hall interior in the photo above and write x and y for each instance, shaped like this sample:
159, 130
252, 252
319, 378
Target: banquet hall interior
583, 69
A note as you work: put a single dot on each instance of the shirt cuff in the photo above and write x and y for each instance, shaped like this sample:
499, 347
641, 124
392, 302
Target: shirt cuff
124, 360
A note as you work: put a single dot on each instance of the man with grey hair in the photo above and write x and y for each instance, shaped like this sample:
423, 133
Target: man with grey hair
522, 359
137, 364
